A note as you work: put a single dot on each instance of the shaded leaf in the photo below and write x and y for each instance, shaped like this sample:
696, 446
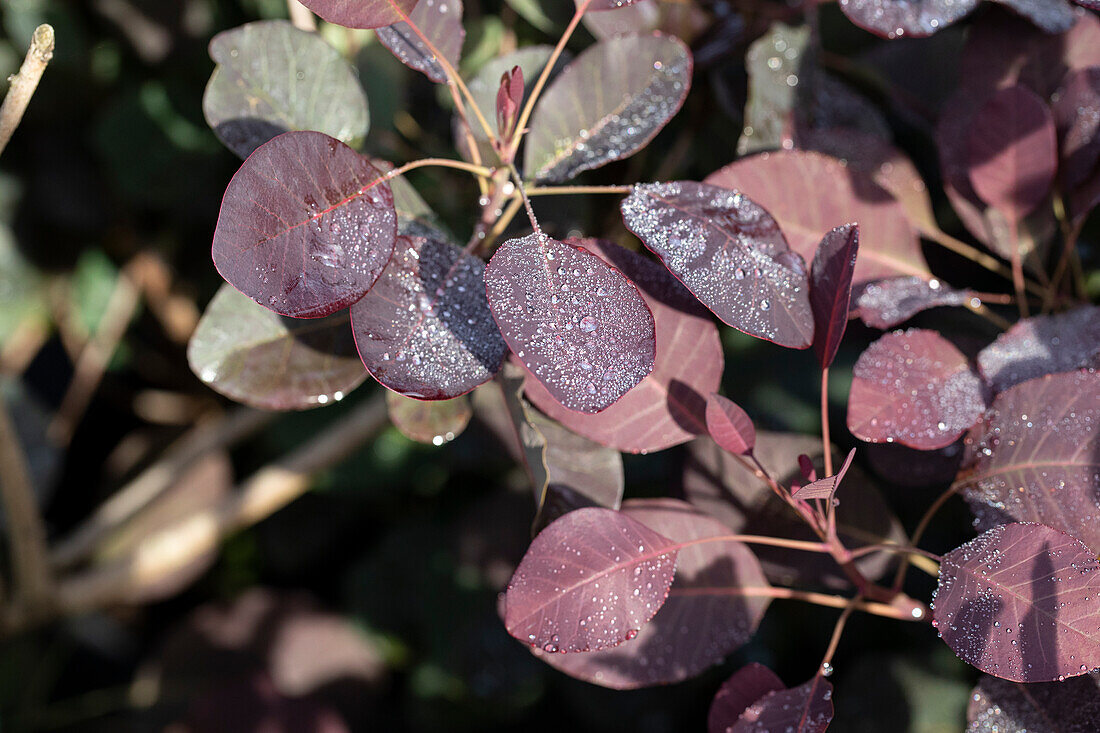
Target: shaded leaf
831, 289
272, 78
265, 360
730, 253
600, 109
743, 688
432, 422
1042, 345
771, 60
913, 18
667, 407
1076, 109
910, 467
1090, 4
916, 388
305, 227
1000, 706
425, 329
825, 488
1019, 603
441, 23
888, 303
574, 590
782, 182
807, 708
576, 323
685, 20
1053, 16
729, 425
1035, 457
709, 613
361, 13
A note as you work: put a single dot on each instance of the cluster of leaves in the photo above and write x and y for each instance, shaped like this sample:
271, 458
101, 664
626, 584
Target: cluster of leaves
594, 349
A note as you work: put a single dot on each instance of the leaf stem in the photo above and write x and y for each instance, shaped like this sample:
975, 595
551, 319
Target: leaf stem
25, 82
570, 190
1017, 267
478, 170
794, 594
899, 578
526, 201
1069, 235
826, 443
826, 661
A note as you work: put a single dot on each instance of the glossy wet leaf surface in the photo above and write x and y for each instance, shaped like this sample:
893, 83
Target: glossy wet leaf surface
272, 78
743, 688
1019, 603
893, 301
361, 13
730, 253
807, 708
730, 426
577, 324
272, 362
667, 407
915, 388
1042, 345
1001, 706
606, 105
1035, 457
831, 289
441, 22
432, 422
305, 227
425, 329
574, 591
709, 612
782, 182
912, 18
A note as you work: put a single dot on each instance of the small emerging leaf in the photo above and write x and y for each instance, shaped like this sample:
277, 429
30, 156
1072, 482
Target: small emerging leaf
509, 101
730, 426
831, 289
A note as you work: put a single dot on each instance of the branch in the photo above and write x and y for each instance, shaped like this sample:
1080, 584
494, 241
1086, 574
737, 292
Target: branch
25, 82
27, 534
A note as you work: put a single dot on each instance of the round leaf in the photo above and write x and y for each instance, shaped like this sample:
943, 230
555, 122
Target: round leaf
807, 708
441, 22
433, 423
913, 18
1000, 706
361, 13
890, 302
746, 686
1042, 345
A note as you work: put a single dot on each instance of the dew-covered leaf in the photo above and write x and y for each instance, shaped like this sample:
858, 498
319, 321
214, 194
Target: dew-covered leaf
730, 426
432, 422
1001, 706
1035, 457
1019, 603
743, 688
606, 105
272, 78
719, 484
1052, 16
272, 362
579, 326
425, 330
1013, 151
825, 488
831, 289
1042, 345
807, 708
915, 388
441, 23
685, 20
361, 13
574, 590
782, 182
710, 610
306, 226
890, 302
1076, 108
667, 407
912, 18
730, 253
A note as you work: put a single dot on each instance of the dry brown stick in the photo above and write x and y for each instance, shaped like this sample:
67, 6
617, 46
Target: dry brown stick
25, 82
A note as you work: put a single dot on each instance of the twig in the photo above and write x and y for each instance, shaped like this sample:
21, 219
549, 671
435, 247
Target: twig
300, 16
818, 599
25, 82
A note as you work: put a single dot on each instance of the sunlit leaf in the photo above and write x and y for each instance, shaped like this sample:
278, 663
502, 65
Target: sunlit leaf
915, 388
440, 21
265, 360
807, 708
897, 18
1000, 706
433, 422
576, 323
606, 105
272, 78
730, 253
574, 591
831, 289
890, 302
746, 686
1019, 603
1042, 345
305, 226
361, 13
729, 425
425, 330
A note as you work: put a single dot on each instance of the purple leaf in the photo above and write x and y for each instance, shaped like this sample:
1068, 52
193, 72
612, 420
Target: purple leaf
1090, 4
710, 601
432, 423
361, 13
746, 686
831, 289
1052, 16
782, 182
600, 109
806, 466
509, 101
729, 425
578, 324
913, 18
1033, 457
1013, 152
730, 253
1019, 603
668, 406
574, 591
306, 226
826, 487
807, 708
1042, 345
676, 18
266, 82
1076, 111
916, 388
425, 329
441, 23
253, 356
888, 303
1000, 706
